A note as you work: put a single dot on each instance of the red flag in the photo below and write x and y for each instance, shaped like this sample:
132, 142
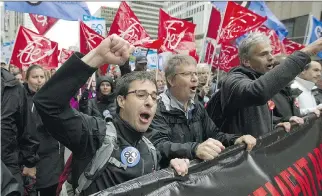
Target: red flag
65, 54
32, 48
291, 46
228, 57
214, 23
178, 34
89, 40
42, 23
238, 20
128, 26
271, 34
154, 44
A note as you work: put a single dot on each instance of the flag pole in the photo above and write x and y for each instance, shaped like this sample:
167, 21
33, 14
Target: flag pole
308, 25
202, 51
217, 40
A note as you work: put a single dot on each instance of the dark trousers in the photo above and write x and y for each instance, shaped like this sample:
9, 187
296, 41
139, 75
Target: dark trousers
48, 191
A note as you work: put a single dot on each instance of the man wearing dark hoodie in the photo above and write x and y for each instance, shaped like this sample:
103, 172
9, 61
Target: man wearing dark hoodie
247, 89
104, 103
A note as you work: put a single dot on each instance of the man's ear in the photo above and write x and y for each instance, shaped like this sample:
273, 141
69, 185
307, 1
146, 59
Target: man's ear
246, 62
170, 80
120, 101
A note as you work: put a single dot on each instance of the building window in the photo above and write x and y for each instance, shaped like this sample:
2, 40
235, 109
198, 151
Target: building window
296, 32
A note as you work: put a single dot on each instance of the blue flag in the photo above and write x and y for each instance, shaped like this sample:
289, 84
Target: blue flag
315, 32
260, 8
66, 10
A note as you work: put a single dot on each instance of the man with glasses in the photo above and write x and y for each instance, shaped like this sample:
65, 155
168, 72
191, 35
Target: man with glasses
136, 93
203, 89
181, 127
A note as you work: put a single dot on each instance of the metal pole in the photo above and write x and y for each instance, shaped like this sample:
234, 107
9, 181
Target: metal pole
204, 39
308, 25
217, 40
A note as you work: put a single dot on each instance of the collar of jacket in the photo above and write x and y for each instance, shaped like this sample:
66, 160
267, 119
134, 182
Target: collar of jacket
105, 98
316, 91
292, 92
127, 131
171, 103
306, 84
252, 74
29, 92
8, 79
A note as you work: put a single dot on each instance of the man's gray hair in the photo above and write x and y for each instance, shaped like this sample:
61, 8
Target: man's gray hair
247, 43
174, 61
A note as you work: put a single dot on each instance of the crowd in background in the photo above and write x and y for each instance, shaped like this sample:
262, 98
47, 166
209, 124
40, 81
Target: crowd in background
187, 123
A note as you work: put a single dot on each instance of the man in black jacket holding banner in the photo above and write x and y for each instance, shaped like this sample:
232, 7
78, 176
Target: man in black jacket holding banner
181, 127
247, 89
90, 138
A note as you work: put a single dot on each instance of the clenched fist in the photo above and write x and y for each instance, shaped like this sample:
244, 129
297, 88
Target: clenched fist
209, 149
112, 50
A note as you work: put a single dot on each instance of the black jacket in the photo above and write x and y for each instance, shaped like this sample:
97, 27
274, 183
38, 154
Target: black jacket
96, 106
50, 152
16, 140
99, 105
83, 134
245, 93
9, 185
318, 95
177, 137
285, 105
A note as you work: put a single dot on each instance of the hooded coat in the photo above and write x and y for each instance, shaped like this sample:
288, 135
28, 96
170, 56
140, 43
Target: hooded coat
101, 105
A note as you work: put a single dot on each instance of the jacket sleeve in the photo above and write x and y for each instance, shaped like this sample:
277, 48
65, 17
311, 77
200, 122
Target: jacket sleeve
83, 102
28, 140
240, 92
305, 111
160, 137
212, 131
77, 131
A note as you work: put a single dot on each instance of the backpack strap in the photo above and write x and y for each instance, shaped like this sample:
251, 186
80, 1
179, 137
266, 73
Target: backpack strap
152, 150
101, 157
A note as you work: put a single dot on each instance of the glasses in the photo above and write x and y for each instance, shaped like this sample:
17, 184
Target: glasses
143, 94
187, 74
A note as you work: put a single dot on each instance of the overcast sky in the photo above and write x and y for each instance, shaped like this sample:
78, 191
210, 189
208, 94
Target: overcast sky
70, 29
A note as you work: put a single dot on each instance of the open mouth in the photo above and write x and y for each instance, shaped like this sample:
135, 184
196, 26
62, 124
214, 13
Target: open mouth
145, 117
270, 66
194, 88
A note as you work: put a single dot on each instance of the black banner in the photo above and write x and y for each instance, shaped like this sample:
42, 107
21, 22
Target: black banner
280, 164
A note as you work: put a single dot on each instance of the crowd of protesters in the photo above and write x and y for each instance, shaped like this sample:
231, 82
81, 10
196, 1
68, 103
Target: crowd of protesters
152, 119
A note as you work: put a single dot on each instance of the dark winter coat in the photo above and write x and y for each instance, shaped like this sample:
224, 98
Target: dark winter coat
286, 105
99, 105
16, 140
245, 93
177, 136
50, 152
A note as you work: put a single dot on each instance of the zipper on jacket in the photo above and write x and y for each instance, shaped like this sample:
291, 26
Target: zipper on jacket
142, 166
58, 147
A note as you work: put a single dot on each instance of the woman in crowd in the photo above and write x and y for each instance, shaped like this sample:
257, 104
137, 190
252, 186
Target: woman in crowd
104, 103
50, 151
